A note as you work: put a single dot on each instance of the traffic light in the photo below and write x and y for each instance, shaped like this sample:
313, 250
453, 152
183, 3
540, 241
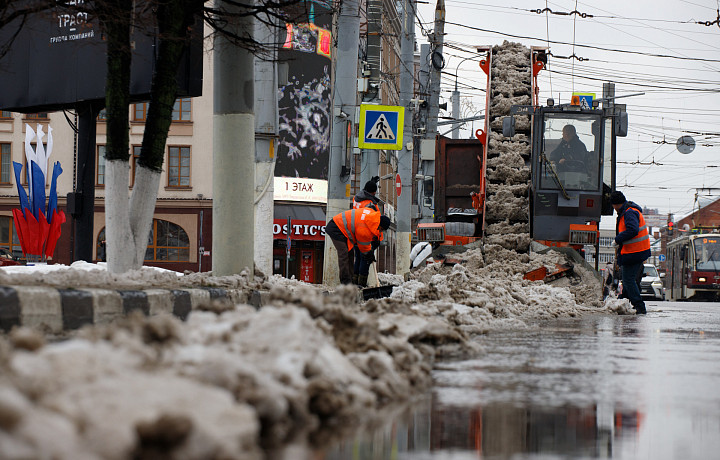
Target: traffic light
670, 228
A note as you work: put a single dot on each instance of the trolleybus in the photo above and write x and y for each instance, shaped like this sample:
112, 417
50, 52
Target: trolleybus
693, 267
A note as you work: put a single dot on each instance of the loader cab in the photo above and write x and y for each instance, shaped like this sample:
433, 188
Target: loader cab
572, 168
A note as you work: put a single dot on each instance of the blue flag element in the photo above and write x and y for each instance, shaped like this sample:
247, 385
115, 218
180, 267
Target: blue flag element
24, 201
38, 190
52, 200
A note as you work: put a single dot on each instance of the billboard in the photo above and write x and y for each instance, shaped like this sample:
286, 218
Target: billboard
304, 102
58, 58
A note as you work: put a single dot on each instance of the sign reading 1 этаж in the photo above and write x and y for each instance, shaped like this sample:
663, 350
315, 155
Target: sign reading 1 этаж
381, 127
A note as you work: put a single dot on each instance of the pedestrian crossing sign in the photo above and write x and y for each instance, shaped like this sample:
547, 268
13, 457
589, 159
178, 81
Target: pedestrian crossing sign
584, 100
381, 127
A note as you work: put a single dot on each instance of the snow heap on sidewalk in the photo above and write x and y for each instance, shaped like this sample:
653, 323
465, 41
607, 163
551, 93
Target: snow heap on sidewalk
232, 378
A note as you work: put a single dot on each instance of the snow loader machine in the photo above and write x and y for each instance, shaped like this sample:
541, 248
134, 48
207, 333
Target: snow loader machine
518, 195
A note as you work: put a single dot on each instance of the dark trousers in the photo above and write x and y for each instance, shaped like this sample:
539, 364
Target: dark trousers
631, 276
361, 266
345, 263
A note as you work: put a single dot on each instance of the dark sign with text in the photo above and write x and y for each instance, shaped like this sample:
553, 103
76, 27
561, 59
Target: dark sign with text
58, 58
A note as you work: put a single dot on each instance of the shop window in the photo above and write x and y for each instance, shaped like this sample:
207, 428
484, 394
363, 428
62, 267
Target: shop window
8, 237
168, 242
178, 166
5, 163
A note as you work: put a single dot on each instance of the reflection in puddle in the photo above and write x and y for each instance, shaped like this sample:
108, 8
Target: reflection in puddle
605, 387
497, 430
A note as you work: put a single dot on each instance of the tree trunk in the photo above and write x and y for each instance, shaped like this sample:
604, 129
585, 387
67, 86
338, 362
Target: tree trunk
128, 223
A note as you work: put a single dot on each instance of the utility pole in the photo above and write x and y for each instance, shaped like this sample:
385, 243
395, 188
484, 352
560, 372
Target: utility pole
233, 146
436, 64
405, 156
266, 132
432, 54
370, 163
343, 112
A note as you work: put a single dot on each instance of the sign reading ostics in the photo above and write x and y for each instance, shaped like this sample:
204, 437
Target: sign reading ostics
300, 229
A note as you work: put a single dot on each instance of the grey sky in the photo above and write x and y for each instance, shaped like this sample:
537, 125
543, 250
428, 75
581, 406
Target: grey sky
682, 94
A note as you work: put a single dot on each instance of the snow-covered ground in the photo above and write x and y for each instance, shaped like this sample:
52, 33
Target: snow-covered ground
232, 379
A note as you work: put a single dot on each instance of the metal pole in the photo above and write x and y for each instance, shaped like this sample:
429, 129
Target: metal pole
344, 102
287, 248
84, 212
405, 156
370, 164
233, 146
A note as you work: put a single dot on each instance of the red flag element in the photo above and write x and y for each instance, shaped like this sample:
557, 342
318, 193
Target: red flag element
58, 218
34, 235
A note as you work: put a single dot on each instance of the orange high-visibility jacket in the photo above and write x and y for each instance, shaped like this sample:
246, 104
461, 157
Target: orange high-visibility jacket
364, 204
641, 241
360, 226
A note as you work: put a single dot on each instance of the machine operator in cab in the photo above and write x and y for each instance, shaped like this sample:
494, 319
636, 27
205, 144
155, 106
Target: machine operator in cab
571, 153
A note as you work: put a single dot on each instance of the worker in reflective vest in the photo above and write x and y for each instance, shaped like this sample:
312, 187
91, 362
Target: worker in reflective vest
357, 227
632, 246
364, 199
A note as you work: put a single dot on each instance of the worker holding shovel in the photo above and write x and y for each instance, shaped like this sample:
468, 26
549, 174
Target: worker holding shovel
362, 227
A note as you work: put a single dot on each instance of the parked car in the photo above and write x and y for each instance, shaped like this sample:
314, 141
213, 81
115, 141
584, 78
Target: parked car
7, 258
651, 284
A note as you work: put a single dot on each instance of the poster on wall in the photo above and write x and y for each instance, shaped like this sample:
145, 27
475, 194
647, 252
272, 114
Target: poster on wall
304, 102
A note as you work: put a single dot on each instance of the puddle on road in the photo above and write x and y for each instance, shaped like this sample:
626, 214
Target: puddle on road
607, 387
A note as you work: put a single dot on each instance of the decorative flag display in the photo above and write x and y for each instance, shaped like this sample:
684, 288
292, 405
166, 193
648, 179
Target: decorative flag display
37, 225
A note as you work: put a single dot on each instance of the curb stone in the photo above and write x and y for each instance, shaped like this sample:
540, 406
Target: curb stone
58, 310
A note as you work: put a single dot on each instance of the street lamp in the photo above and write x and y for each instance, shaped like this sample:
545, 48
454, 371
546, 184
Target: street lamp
456, 100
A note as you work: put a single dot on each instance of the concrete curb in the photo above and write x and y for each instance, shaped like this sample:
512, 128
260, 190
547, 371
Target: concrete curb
66, 309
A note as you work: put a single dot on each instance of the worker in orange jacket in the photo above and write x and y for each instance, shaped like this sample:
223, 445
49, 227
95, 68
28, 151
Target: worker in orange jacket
362, 227
633, 242
364, 199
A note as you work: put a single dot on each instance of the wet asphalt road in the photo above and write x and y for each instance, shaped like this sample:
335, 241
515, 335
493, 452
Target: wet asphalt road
625, 387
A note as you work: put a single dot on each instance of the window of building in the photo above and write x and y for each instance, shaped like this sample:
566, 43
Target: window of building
168, 242
25, 174
133, 161
5, 114
102, 116
8, 237
182, 110
39, 115
140, 111
178, 166
100, 162
5, 163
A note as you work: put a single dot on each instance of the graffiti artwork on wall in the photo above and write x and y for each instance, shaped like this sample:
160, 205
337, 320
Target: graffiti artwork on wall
304, 102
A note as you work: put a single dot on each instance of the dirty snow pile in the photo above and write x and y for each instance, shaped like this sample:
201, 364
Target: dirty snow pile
508, 172
233, 379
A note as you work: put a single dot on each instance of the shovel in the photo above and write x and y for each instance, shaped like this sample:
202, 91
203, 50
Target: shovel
379, 291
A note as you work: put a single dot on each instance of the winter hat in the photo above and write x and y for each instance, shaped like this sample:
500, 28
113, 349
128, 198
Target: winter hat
384, 222
370, 186
617, 197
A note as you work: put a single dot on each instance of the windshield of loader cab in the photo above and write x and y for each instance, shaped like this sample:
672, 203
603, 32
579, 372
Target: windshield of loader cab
570, 156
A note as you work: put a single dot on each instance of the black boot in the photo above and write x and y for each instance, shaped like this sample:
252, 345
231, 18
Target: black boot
355, 279
640, 308
362, 281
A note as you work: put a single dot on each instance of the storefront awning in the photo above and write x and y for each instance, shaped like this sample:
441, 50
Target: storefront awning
299, 212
